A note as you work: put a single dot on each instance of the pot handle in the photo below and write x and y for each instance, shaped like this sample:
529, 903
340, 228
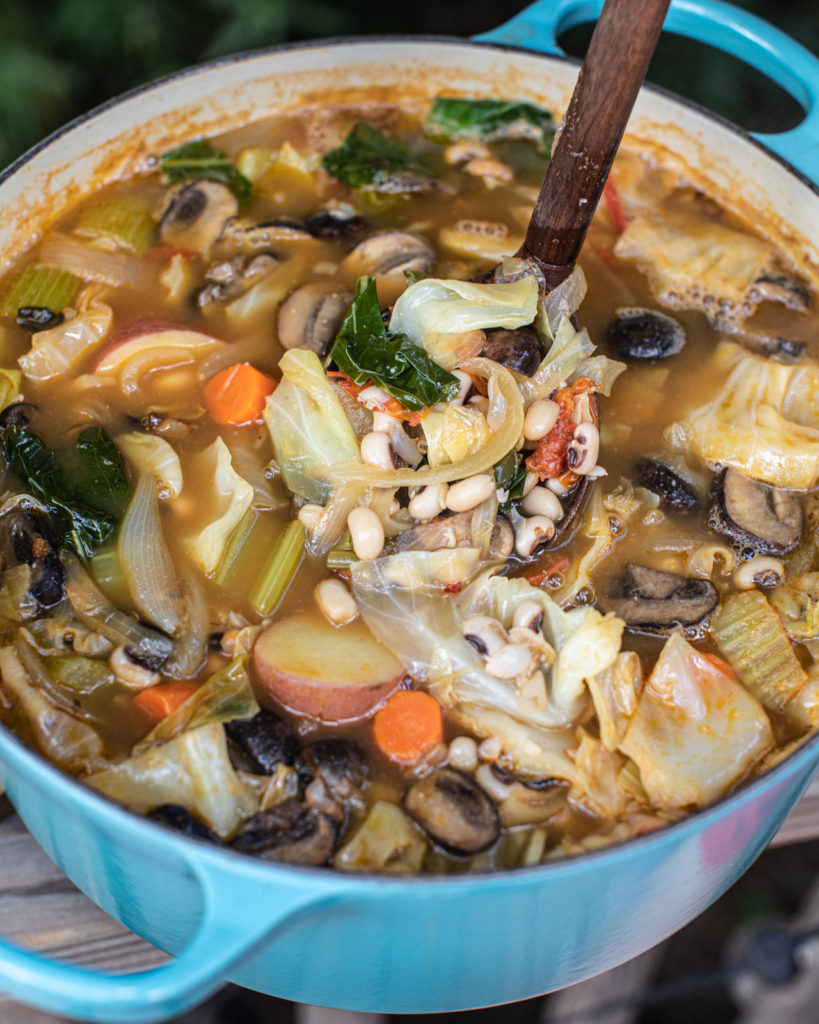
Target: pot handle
230, 929
738, 33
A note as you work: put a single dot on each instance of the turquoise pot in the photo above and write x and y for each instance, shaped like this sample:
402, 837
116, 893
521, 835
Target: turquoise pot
370, 943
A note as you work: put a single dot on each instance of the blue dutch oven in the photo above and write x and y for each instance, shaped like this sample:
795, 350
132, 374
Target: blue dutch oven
373, 943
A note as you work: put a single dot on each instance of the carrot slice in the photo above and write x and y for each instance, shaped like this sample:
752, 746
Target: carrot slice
236, 396
408, 724
159, 701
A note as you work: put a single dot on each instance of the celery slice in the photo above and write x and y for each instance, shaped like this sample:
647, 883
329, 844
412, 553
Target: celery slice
107, 571
82, 674
125, 219
235, 546
750, 635
280, 569
340, 560
45, 287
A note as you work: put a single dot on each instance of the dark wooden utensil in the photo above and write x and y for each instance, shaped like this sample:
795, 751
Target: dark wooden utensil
613, 71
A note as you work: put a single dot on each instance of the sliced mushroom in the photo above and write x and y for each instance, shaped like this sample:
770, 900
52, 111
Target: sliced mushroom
341, 221
228, 279
266, 741
519, 350
291, 833
401, 183
455, 531
311, 316
656, 601
388, 255
773, 346
454, 811
781, 288
17, 415
196, 215
757, 518
530, 802
38, 318
341, 764
638, 334
29, 539
674, 492
180, 819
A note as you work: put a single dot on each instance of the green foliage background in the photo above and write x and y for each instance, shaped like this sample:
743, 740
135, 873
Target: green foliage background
59, 58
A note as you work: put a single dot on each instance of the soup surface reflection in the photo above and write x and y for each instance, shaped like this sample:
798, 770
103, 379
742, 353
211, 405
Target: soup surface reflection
329, 536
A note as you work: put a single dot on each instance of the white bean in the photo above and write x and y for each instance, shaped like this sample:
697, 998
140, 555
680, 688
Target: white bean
490, 749
382, 423
529, 483
484, 633
376, 450
468, 493
759, 572
540, 417
366, 533
428, 502
528, 615
373, 397
556, 487
463, 753
510, 661
583, 449
531, 533
309, 516
335, 602
540, 501
482, 168
129, 673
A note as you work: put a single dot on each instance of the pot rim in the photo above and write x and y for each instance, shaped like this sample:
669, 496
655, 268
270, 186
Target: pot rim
76, 790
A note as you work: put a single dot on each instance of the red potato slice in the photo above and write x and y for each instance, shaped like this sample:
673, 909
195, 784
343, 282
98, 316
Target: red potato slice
193, 344
335, 674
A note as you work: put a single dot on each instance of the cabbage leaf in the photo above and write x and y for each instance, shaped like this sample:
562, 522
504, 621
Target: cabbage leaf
232, 495
308, 426
155, 455
761, 420
696, 732
56, 352
192, 769
454, 307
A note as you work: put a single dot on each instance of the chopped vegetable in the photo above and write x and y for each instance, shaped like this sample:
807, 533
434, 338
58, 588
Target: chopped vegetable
125, 220
330, 673
236, 395
60, 350
87, 509
750, 635
43, 287
696, 731
232, 496
408, 725
281, 567
386, 841
444, 307
455, 118
225, 697
308, 426
200, 159
366, 351
193, 770
90, 263
157, 702
367, 156
153, 454
81, 674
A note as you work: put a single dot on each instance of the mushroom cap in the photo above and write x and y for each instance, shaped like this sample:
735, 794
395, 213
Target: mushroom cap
292, 833
266, 740
757, 518
311, 316
654, 601
196, 214
519, 349
454, 811
638, 334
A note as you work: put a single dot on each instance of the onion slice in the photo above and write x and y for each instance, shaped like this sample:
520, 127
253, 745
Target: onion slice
146, 562
91, 263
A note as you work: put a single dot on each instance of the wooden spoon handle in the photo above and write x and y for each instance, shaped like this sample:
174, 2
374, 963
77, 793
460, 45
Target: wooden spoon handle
610, 78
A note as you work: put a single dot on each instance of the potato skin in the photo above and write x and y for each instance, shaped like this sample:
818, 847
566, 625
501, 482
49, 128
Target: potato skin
333, 674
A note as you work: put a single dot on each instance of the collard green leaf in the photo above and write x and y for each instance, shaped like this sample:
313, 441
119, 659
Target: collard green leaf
200, 159
489, 120
87, 509
367, 157
366, 351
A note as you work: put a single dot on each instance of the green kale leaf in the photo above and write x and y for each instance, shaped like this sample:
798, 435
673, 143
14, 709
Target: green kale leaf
367, 157
490, 120
366, 351
199, 159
